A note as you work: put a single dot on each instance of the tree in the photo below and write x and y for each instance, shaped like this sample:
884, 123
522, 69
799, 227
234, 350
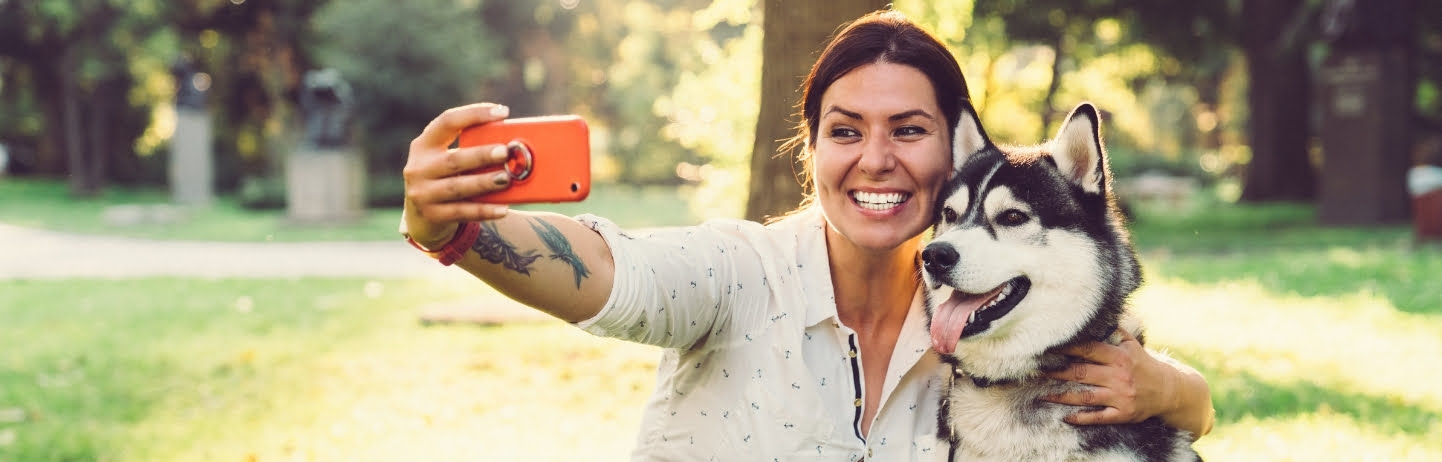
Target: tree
407, 61
71, 55
1057, 24
794, 33
255, 53
1280, 103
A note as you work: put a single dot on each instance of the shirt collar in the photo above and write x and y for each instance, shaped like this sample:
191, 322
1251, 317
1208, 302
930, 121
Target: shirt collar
810, 230
811, 249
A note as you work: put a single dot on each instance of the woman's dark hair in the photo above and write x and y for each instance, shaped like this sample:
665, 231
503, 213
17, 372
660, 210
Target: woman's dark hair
882, 36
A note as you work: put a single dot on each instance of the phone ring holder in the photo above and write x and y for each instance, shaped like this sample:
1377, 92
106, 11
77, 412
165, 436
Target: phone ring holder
520, 161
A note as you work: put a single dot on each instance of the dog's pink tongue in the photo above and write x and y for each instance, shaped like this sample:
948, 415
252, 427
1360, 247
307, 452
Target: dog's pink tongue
950, 318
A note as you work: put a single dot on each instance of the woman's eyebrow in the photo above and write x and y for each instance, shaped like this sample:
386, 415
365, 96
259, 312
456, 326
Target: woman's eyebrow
910, 114
849, 114
894, 117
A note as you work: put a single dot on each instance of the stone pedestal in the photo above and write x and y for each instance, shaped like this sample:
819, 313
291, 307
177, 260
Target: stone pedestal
325, 186
192, 165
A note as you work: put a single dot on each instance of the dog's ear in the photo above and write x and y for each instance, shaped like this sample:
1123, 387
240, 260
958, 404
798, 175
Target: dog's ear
1078, 152
968, 138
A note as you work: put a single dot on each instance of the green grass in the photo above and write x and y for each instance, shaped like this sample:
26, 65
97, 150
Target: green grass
47, 204
1317, 342
1280, 248
313, 369
1319, 345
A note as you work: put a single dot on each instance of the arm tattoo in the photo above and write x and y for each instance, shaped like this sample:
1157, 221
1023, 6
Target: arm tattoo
560, 248
495, 249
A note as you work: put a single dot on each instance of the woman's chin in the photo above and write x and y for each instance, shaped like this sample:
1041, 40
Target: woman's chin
877, 237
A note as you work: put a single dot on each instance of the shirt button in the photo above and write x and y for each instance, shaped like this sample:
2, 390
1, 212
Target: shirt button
851, 354
856, 403
868, 453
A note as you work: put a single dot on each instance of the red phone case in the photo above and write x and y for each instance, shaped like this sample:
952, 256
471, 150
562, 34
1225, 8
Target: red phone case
550, 157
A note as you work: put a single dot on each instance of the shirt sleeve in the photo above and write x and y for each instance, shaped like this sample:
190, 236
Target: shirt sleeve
678, 287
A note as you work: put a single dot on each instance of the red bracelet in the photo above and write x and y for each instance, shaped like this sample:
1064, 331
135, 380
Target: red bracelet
456, 248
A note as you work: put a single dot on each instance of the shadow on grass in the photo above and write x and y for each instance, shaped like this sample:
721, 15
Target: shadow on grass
1239, 395
1281, 248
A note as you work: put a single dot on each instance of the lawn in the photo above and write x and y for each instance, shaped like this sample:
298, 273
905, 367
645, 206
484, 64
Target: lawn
1319, 344
311, 369
47, 204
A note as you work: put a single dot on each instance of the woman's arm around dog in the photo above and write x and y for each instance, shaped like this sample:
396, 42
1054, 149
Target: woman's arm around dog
1133, 384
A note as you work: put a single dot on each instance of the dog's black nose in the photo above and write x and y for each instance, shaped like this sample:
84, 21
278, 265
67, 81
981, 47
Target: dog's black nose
939, 258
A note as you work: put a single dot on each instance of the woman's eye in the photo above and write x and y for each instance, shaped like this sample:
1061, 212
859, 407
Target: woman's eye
844, 133
948, 215
910, 130
1012, 218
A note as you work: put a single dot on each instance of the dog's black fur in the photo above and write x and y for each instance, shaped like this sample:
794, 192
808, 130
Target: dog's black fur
1066, 195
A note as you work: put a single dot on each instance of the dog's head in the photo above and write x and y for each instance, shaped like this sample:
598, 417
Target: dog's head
1028, 250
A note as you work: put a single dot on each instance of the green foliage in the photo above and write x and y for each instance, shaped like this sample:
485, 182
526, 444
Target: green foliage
712, 110
1123, 56
93, 49
406, 61
627, 56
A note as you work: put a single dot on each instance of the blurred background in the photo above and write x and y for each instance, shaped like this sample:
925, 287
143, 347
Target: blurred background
198, 201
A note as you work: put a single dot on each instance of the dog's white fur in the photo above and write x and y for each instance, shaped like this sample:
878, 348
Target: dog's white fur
1061, 265
1006, 421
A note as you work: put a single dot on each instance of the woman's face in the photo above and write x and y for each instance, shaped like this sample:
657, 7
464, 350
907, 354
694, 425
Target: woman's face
882, 152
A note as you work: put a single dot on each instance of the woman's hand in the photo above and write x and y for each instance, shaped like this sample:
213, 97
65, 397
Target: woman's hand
438, 189
1131, 386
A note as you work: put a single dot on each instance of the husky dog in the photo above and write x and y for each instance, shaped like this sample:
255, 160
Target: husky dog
1028, 257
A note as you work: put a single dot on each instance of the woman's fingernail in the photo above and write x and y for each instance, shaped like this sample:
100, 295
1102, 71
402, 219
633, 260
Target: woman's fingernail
502, 178
500, 111
499, 153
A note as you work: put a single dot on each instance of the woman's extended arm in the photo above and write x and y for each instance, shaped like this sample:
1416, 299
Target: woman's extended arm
547, 261
1133, 385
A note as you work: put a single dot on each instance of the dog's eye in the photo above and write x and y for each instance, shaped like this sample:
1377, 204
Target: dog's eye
948, 215
1012, 217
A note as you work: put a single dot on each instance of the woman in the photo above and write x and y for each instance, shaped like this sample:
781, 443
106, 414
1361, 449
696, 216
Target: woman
802, 338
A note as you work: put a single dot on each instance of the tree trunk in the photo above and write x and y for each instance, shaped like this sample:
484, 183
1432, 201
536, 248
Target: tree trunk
795, 34
1048, 113
103, 146
51, 152
77, 142
1279, 96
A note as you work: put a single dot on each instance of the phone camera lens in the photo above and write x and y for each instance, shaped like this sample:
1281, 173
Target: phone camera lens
521, 160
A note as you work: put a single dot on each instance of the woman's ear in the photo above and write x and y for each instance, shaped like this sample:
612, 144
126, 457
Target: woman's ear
968, 138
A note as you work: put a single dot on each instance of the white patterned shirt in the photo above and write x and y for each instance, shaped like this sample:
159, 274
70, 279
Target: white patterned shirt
756, 364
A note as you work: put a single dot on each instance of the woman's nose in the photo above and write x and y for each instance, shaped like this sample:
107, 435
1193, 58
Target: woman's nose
878, 156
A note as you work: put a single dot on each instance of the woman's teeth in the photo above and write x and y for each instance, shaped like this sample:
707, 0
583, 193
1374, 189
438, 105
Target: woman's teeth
879, 201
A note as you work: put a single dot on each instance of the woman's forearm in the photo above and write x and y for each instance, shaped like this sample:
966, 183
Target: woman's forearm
548, 261
1192, 410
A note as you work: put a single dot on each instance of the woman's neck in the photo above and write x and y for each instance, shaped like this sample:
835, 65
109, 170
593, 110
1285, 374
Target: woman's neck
872, 287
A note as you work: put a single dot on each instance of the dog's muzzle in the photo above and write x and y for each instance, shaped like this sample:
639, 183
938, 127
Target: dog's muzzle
938, 258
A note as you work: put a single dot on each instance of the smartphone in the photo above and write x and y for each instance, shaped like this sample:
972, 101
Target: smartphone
550, 158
